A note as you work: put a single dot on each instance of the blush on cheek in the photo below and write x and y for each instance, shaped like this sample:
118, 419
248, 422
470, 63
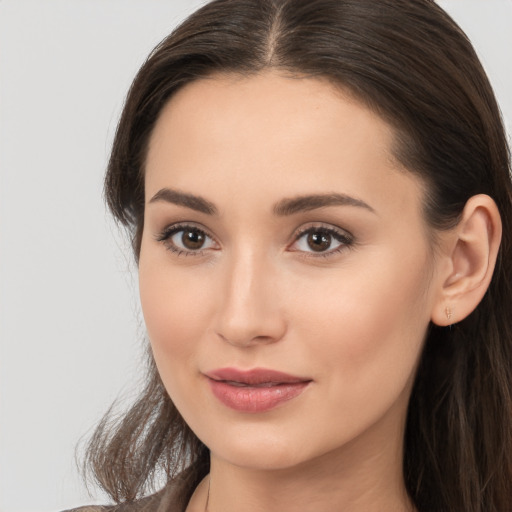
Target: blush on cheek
392, 340
168, 332
374, 320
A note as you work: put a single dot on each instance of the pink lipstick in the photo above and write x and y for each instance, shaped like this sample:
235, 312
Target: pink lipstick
256, 390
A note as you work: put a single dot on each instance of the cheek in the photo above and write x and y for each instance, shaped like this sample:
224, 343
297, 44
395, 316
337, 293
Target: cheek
174, 310
369, 324
174, 313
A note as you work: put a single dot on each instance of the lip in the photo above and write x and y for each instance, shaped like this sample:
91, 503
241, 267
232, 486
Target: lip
256, 390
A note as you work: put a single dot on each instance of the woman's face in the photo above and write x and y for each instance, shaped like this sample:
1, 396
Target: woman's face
286, 276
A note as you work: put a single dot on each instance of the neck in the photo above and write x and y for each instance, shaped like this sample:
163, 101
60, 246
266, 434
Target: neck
370, 482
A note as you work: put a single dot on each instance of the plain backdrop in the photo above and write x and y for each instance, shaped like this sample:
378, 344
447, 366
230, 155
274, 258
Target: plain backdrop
70, 328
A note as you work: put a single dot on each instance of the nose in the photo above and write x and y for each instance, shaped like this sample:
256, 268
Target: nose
249, 310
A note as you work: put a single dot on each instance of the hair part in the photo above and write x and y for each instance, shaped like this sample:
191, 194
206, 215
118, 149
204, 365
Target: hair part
412, 65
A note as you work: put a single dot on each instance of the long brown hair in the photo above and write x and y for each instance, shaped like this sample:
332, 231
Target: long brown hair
413, 66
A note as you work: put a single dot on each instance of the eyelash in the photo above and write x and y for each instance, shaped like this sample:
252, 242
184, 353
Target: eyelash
165, 236
345, 239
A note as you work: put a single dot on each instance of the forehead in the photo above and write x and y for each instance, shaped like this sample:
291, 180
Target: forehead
267, 107
292, 135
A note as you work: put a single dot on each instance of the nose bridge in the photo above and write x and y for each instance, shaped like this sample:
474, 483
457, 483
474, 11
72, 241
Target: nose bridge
249, 310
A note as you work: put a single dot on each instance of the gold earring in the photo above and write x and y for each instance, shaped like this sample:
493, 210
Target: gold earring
448, 312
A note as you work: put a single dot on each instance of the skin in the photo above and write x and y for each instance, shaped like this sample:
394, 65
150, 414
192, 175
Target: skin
351, 318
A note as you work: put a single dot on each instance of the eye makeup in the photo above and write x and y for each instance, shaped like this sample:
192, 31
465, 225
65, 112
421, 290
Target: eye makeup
185, 239
321, 241
311, 241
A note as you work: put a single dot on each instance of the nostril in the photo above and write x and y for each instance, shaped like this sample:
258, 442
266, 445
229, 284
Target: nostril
247, 339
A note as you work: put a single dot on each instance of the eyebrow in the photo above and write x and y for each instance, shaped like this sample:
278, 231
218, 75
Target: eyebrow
183, 199
285, 207
312, 202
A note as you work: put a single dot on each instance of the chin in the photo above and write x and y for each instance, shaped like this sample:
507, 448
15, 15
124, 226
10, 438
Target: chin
260, 447
262, 457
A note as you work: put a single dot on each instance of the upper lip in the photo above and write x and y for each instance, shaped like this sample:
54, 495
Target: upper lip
254, 376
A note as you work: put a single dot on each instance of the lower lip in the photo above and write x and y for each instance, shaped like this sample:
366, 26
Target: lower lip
255, 399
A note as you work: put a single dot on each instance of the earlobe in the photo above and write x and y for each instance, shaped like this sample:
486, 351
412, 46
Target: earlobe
471, 251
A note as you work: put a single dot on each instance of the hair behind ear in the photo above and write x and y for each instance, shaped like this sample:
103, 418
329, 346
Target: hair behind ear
461, 403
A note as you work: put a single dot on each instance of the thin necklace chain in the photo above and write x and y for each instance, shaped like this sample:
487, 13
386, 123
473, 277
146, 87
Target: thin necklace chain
207, 495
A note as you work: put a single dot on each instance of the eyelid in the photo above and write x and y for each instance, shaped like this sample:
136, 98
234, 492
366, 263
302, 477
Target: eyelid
343, 236
170, 230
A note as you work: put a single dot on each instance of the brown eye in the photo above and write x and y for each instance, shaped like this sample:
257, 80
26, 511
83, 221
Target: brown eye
186, 240
192, 239
319, 241
324, 241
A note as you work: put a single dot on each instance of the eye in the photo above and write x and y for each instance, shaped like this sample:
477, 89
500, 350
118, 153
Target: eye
321, 240
186, 240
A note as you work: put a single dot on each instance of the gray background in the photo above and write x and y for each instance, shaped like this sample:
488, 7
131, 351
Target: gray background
70, 330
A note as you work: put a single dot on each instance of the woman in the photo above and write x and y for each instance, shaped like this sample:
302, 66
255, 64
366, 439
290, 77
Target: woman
320, 201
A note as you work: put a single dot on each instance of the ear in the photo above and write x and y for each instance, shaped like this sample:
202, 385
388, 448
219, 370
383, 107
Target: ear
469, 251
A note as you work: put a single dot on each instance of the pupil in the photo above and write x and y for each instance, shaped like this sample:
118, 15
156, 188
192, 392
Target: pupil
319, 241
192, 239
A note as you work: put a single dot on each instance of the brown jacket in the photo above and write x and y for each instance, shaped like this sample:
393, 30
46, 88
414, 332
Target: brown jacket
166, 500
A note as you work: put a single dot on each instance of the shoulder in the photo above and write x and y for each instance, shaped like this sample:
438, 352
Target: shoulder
162, 501
89, 508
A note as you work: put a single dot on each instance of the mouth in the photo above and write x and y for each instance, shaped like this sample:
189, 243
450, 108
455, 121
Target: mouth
255, 377
256, 390
246, 385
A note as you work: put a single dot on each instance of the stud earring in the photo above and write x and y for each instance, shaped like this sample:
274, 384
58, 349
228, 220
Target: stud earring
448, 312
